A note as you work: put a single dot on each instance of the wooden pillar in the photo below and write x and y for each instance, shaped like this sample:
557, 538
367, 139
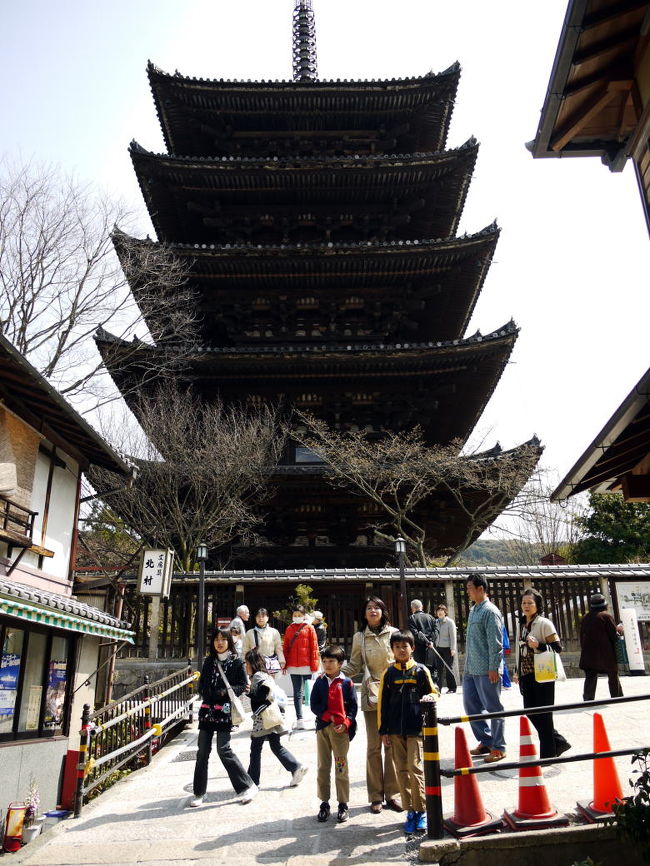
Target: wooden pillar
449, 600
154, 622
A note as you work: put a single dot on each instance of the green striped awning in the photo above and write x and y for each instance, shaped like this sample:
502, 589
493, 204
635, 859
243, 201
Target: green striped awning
60, 619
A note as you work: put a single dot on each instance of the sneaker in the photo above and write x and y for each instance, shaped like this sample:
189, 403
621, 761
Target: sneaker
343, 813
420, 821
409, 824
480, 750
324, 812
297, 776
451, 691
249, 794
494, 756
196, 801
299, 725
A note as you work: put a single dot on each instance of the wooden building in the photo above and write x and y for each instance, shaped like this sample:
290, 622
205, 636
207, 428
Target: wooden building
598, 97
50, 640
618, 459
317, 222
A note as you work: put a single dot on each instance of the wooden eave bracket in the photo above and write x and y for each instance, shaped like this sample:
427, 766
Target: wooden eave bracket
579, 119
636, 488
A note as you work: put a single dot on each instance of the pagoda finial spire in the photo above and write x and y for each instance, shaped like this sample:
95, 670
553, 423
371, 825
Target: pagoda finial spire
305, 64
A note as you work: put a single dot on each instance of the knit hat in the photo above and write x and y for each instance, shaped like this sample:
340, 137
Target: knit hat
597, 602
317, 615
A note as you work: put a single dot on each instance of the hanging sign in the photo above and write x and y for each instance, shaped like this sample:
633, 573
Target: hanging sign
156, 572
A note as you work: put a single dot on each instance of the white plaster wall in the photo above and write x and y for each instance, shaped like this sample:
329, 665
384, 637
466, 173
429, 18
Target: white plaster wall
60, 524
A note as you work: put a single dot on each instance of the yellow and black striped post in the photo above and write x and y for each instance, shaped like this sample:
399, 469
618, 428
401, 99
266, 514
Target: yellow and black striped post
432, 779
83, 757
147, 716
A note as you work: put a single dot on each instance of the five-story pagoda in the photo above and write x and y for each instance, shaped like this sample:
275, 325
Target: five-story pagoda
317, 223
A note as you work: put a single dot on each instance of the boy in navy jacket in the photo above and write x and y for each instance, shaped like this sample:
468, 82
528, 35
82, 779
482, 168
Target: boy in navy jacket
399, 715
334, 703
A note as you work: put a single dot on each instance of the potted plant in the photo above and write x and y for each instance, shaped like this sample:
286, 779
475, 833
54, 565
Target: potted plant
32, 825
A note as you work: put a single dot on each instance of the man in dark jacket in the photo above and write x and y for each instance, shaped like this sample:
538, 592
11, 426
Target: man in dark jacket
598, 631
425, 631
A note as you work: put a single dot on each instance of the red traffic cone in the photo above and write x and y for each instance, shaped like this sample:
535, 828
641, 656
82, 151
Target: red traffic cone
534, 810
469, 817
607, 786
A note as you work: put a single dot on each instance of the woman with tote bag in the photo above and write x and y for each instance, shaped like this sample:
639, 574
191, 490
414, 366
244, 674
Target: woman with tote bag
535, 635
222, 675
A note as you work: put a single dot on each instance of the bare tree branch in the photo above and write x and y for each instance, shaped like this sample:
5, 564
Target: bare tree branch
61, 280
203, 472
401, 474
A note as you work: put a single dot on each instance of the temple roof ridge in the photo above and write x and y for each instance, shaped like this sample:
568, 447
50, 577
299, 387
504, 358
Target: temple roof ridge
453, 69
339, 246
507, 330
357, 159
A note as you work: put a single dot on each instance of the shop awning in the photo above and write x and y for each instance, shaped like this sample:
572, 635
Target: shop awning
58, 611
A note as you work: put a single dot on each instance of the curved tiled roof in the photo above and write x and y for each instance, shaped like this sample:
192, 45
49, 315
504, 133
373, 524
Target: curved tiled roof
61, 604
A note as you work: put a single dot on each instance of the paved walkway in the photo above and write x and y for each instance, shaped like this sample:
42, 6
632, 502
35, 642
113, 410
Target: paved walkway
145, 819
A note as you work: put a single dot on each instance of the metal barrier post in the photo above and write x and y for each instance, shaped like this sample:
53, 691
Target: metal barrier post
190, 692
147, 717
432, 780
83, 755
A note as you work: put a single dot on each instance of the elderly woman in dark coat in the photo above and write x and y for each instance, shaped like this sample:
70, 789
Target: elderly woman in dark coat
598, 632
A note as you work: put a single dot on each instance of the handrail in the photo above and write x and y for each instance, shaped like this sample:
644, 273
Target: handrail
131, 736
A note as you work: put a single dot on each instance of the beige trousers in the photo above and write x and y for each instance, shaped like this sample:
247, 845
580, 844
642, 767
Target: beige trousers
329, 743
407, 752
381, 779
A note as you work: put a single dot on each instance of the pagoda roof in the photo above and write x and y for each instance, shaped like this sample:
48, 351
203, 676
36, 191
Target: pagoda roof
429, 287
443, 386
203, 116
207, 200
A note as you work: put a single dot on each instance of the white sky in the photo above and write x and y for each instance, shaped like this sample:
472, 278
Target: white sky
571, 267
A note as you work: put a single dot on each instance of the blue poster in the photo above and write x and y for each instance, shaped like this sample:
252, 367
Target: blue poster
9, 672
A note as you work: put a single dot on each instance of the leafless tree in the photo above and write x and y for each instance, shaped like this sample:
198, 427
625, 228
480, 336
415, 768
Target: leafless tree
400, 473
536, 527
60, 278
203, 472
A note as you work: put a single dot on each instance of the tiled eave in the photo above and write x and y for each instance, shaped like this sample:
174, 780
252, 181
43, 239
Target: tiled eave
59, 611
620, 572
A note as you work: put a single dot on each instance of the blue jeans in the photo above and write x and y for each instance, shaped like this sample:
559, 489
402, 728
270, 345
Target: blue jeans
482, 696
297, 683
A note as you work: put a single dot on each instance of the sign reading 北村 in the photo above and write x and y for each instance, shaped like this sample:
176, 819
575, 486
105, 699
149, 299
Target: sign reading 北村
156, 572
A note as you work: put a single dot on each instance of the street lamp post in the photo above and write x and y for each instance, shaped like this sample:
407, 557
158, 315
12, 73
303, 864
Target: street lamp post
400, 550
201, 555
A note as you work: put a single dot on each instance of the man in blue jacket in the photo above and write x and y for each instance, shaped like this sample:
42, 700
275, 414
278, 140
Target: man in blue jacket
483, 667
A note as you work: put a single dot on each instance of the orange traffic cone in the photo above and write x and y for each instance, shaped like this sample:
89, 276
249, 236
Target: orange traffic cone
607, 786
469, 818
534, 810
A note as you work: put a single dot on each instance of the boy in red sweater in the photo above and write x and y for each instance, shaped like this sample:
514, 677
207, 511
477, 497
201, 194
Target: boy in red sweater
334, 703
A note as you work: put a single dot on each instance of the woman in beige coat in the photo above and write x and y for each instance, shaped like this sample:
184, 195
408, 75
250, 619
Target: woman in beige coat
267, 641
371, 654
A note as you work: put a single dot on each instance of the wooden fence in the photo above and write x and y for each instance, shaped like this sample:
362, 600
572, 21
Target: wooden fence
342, 602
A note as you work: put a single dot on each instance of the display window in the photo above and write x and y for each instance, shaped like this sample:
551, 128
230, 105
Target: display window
35, 682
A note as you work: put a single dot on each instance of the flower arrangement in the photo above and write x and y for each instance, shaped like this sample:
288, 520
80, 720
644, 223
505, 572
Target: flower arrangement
32, 802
